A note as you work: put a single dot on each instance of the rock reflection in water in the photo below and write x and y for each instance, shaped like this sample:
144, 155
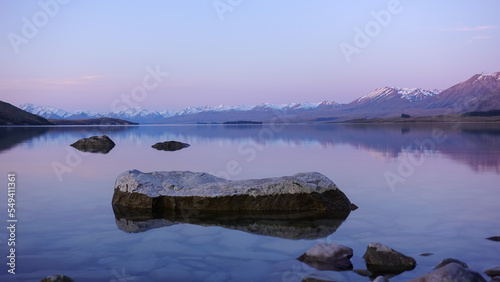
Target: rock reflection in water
286, 225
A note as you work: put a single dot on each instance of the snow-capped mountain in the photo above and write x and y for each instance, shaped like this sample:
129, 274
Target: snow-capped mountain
481, 92
145, 116
390, 101
386, 93
45, 111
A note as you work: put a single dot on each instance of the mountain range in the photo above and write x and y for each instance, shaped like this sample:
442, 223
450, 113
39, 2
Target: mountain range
481, 92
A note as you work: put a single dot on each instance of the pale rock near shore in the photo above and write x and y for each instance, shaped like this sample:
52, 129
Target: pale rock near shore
450, 260
328, 257
196, 190
451, 272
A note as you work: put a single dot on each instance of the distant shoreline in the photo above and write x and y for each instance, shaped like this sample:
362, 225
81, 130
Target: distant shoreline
454, 118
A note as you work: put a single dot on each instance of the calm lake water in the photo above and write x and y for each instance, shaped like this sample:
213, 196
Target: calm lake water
420, 189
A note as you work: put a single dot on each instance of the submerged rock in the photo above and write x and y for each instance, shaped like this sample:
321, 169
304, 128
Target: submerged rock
451, 272
494, 238
170, 146
328, 257
317, 277
492, 272
362, 272
185, 190
381, 279
450, 260
57, 278
381, 259
95, 144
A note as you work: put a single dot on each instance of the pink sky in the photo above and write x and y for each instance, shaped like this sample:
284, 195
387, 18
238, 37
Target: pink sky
85, 55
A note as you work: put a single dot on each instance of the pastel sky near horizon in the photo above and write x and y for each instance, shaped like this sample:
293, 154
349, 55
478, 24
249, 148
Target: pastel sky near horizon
99, 55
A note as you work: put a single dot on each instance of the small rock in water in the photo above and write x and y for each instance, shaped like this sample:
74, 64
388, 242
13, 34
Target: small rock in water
451, 272
492, 272
57, 278
328, 257
494, 238
426, 254
381, 259
380, 279
362, 272
314, 277
450, 260
170, 146
95, 144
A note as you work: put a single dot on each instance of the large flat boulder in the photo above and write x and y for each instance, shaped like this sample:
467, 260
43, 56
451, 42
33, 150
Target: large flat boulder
184, 190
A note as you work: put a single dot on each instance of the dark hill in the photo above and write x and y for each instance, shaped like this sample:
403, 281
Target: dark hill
11, 115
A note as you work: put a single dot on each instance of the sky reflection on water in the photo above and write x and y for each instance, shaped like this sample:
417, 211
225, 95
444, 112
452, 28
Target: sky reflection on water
447, 206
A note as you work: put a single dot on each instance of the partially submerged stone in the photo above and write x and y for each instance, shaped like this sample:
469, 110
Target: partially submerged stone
492, 272
317, 277
450, 260
494, 238
57, 278
451, 272
380, 279
94, 144
184, 190
170, 146
328, 257
381, 259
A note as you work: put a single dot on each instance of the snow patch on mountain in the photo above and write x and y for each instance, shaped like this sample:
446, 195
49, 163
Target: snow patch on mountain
485, 76
139, 114
410, 94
